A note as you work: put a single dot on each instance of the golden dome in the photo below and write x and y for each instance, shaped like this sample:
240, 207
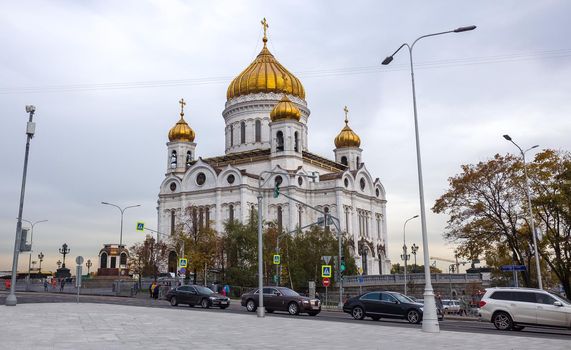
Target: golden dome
181, 131
285, 109
347, 137
265, 74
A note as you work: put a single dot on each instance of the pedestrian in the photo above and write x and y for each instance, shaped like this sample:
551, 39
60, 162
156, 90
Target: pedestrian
7, 283
152, 288
54, 282
45, 285
156, 291
223, 291
62, 285
317, 295
439, 305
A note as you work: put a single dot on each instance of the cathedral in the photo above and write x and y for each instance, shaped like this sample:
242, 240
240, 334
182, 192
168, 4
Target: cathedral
266, 117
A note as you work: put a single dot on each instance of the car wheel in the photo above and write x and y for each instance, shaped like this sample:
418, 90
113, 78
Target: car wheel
358, 313
269, 311
502, 321
413, 316
223, 307
205, 304
376, 318
174, 302
251, 305
312, 313
293, 308
517, 328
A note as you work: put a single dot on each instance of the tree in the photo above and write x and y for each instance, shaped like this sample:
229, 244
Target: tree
488, 214
146, 256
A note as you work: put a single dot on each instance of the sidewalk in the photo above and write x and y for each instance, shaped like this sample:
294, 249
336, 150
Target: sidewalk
101, 326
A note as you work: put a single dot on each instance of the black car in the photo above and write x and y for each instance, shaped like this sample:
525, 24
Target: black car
384, 304
196, 295
281, 299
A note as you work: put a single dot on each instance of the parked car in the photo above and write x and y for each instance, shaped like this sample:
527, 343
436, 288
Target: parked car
439, 310
281, 299
451, 306
196, 295
385, 304
515, 308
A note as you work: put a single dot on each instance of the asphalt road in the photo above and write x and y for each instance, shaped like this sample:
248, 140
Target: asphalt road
470, 327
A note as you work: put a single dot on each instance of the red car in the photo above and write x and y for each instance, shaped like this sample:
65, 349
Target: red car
281, 299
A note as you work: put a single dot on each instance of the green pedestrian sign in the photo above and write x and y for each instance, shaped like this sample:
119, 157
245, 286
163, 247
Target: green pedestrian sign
277, 259
326, 271
140, 226
182, 262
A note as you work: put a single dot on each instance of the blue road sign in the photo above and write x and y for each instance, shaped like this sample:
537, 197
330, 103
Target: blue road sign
513, 268
325, 270
182, 271
361, 279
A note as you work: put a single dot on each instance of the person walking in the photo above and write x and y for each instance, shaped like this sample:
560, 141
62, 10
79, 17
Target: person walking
45, 285
156, 291
152, 289
62, 285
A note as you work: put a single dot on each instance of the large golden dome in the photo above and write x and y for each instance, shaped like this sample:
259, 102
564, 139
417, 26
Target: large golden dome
285, 109
347, 137
181, 132
265, 74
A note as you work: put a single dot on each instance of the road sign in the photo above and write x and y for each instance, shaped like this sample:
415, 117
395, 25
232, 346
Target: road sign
361, 279
326, 259
182, 271
182, 262
326, 282
360, 270
513, 268
79, 260
277, 259
325, 270
140, 226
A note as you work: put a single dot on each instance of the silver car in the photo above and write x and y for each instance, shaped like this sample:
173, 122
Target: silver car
515, 308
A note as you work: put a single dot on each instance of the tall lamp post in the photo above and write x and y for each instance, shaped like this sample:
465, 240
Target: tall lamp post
413, 250
122, 210
31, 250
404, 255
41, 258
11, 299
430, 320
530, 212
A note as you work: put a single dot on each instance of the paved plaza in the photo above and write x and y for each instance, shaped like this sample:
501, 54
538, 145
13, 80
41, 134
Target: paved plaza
101, 326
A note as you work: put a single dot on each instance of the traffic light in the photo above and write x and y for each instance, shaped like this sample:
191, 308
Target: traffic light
24, 247
343, 267
276, 190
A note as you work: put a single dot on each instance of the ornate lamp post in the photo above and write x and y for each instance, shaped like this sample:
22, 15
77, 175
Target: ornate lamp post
88, 264
413, 250
64, 250
430, 318
41, 258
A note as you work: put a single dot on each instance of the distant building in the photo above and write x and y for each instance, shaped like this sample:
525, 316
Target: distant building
111, 257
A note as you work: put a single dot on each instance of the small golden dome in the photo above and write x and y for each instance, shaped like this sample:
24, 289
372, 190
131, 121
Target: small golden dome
181, 131
265, 74
285, 109
347, 137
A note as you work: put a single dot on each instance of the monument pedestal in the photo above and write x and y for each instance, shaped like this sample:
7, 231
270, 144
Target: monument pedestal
63, 273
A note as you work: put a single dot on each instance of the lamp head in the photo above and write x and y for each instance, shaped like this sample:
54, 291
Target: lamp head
534, 146
387, 60
464, 29
30, 108
507, 137
414, 217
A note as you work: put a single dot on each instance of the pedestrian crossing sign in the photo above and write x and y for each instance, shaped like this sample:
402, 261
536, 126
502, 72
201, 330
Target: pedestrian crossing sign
325, 271
140, 226
182, 262
277, 259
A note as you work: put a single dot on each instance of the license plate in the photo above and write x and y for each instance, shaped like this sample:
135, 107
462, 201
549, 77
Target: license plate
224, 302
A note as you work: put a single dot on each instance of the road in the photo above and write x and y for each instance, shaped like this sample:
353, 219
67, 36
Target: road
326, 316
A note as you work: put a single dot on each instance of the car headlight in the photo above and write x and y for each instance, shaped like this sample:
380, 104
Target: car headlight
306, 301
421, 309
212, 298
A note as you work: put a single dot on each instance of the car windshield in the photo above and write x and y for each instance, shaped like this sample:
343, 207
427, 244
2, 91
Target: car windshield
560, 298
402, 298
204, 290
288, 292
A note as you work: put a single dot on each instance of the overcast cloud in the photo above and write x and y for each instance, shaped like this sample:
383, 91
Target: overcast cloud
105, 77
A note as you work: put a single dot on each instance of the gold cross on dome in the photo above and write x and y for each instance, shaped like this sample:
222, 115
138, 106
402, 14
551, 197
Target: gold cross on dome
346, 110
265, 25
182, 104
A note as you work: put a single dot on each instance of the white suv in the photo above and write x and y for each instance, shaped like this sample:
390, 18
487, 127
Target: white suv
514, 308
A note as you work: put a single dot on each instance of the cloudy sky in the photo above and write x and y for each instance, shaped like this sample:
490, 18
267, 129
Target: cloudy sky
105, 77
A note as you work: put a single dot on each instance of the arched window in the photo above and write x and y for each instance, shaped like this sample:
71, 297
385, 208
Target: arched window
358, 163
201, 218
344, 160
280, 219
231, 212
279, 141
242, 132
231, 135
252, 213
299, 213
123, 259
258, 131
172, 261
207, 216
296, 144
188, 158
172, 222
103, 259
173, 159
364, 261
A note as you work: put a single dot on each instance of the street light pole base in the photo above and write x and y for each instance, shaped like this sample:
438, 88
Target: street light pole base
429, 317
261, 312
11, 300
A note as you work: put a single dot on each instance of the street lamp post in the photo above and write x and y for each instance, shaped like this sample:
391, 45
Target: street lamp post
404, 255
530, 212
11, 299
41, 258
413, 250
430, 319
31, 249
122, 210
